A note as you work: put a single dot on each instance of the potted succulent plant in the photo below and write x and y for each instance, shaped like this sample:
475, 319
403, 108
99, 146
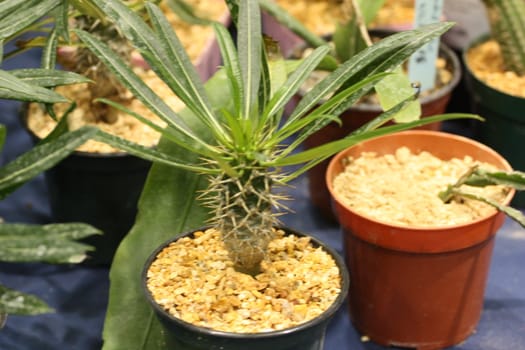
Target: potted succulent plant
52, 243
351, 35
418, 243
228, 142
97, 184
495, 69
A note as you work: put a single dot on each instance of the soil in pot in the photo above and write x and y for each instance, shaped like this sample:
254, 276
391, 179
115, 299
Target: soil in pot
192, 281
498, 96
418, 269
486, 62
432, 102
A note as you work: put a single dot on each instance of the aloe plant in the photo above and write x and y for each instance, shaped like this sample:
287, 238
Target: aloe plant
242, 150
507, 24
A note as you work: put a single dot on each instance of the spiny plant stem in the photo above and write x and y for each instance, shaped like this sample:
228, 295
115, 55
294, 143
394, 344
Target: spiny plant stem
243, 213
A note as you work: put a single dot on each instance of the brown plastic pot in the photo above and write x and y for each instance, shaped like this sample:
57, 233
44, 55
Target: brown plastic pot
417, 287
355, 117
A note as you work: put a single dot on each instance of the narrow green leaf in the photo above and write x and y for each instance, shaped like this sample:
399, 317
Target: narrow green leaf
18, 303
41, 158
482, 177
338, 145
249, 46
140, 90
190, 89
186, 13
3, 133
24, 14
231, 64
13, 88
149, 153
294, 82
288, 21
49, 53
512, 213
48, 78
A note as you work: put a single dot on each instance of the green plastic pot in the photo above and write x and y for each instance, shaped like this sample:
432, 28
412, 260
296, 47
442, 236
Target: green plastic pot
307, 336
504, 125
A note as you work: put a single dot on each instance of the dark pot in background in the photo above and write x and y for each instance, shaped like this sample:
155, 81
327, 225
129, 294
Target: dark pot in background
307, 336
431, 104
504, 125
417, 287
101, 190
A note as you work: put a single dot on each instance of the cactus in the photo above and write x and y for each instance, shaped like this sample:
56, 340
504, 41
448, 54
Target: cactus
507, 23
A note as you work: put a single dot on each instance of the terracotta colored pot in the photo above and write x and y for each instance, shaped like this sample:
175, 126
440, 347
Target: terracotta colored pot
417, 287
432, 104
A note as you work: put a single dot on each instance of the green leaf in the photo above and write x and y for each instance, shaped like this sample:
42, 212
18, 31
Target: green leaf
3, 133
48, 78
512, 213
283, 17
167, 207
149, 153
186, 13
481, 177
18, 303
41, 158
49, 53
249, 46
54, 243
395, 88
13, 88
382, 56
17, 15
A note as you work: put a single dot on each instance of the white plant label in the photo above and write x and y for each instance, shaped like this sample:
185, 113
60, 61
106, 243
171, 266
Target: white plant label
422, 64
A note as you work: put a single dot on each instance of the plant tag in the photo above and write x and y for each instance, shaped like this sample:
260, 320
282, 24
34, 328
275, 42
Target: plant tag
422, 64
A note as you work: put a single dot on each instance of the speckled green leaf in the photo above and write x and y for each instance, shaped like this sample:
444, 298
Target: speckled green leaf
41, 158
18, 303
54, 243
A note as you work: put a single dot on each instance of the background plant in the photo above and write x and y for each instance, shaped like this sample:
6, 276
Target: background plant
507, 25
351, 35
53, 243
49, 24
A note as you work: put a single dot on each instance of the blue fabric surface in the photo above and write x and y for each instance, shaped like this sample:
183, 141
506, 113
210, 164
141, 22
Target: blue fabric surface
79, 293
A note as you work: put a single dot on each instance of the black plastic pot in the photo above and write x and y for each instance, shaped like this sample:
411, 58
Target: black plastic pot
504, 125
307, 336
101, 190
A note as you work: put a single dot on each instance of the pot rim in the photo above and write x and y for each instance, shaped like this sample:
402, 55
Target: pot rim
24, 115
323, 317
330, 174
471, 75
